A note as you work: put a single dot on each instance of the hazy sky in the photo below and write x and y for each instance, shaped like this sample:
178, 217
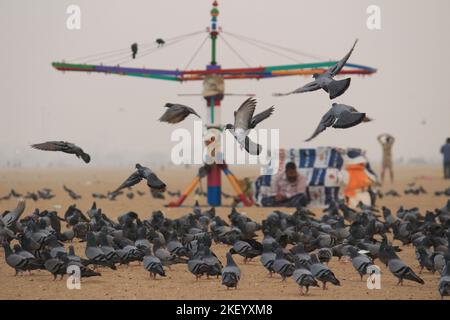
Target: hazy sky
115, 118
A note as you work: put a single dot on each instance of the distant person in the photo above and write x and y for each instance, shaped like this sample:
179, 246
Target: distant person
386, 141
288, 188
445, 150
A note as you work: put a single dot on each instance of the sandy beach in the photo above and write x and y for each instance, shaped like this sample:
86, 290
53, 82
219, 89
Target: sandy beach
133, 282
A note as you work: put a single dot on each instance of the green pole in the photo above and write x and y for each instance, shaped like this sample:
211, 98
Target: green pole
213, 49
212, 111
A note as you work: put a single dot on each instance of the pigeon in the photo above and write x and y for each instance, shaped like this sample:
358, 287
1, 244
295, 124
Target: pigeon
444, 282
325, 81
359, 261
231, 274
160, 42
153, 182
176, 113
340, 116
15, 261
157, 194
268, 257
174, 194
399, 269
303, 277
95, 254
164, 255
215, 266
197, 267
322, 273
31, 195
282, 266
72, 193
153, 265
10, 218
244, 121
134, 50
63, 146
56, 266
245, 250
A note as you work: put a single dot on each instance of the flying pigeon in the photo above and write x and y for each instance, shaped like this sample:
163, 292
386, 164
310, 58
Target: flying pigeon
63, 146
160, 42
231, 274
72, 193
244, 121
325, 81
340, 116
134, 50
176, 113
153, 181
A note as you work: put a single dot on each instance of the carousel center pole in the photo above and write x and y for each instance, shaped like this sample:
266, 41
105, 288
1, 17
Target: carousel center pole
213, 104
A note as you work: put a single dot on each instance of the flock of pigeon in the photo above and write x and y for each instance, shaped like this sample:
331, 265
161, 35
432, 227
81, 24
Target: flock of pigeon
296, 245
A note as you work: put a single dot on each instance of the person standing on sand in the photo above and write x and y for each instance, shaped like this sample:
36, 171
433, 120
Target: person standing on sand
445, 150
386, 141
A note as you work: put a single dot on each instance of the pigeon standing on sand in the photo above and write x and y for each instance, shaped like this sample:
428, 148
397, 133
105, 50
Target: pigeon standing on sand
340, 116
153, 181
322, 273
400, 270
153, 264
15, 261
176, 113
95, 254
245, 250
444, 282
282, 266
244, 121
359, 261
231, 274
325, 81
303, 277
63, 146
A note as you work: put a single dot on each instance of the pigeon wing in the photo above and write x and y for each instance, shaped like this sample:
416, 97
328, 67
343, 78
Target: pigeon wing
244, 115
261, 116
135, 178
334, 70
51, 146
192, 111
327, 121
312, 86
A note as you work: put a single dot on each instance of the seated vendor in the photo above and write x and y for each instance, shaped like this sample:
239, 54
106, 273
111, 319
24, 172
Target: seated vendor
288, 188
